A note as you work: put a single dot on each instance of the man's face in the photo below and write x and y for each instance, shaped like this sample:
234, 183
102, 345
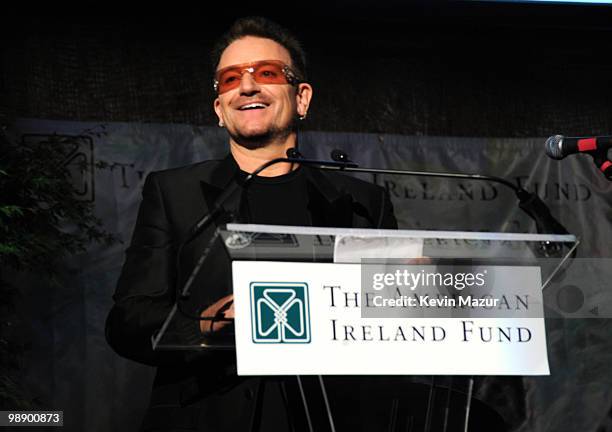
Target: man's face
254, 113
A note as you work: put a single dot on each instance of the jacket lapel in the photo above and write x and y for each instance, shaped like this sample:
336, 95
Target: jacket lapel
220, 179
328, 206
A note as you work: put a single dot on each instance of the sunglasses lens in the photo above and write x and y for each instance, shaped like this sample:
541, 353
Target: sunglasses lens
264, 72
228, 79
269, 73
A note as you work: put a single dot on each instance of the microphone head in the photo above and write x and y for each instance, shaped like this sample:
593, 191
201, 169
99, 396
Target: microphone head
553, 147
339, 156
293, 153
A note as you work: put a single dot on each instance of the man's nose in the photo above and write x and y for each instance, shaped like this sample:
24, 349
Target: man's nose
248, 85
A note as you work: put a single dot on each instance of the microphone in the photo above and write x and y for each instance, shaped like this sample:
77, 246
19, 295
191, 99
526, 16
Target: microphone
339, 155
558, 146
294, 153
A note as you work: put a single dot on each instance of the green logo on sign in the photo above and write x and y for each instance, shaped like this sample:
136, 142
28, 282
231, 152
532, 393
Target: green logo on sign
279, 312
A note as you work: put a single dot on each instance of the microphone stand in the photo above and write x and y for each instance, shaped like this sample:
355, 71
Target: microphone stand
603, 164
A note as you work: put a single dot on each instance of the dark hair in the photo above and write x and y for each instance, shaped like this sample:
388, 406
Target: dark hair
267, 29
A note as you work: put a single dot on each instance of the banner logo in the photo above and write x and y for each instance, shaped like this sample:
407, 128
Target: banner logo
280, 312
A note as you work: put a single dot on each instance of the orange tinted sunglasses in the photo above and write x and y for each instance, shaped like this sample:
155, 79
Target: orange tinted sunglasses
263, 72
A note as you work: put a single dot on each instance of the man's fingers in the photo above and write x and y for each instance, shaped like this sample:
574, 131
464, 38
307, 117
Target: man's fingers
227, 305
230, 312
227, 310
222, 308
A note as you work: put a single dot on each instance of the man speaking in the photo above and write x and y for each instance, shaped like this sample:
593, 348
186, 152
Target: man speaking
262, 94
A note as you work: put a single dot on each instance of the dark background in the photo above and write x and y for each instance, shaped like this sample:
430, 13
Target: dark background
412, 68
432, 68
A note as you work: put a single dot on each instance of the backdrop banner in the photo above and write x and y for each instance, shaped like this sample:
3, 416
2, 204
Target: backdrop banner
71, 368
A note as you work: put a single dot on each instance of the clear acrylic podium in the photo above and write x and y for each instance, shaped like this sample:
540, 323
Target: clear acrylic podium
551, 253
246, 242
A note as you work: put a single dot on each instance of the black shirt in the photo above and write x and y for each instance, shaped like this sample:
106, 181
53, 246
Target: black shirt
276, 200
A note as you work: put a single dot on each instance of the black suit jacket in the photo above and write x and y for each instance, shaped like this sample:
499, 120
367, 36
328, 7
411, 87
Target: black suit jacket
173, 200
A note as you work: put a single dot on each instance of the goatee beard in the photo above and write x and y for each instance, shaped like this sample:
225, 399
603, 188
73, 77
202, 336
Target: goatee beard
253, 142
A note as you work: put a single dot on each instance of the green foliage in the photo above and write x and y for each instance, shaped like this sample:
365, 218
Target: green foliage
42, 220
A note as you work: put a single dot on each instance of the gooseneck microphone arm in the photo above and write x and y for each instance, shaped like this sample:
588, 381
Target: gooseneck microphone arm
529, 202
428, 174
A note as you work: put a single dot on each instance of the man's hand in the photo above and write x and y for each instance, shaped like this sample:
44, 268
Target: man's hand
223, 308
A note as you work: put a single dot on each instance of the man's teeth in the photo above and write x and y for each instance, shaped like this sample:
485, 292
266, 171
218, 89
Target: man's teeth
253, 106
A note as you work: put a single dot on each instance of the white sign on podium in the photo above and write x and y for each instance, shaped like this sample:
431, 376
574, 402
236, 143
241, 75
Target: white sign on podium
296, 318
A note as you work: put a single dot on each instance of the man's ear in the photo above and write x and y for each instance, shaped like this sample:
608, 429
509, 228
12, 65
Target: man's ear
217, 107
303, 96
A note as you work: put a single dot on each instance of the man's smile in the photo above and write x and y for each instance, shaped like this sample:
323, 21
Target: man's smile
252, 105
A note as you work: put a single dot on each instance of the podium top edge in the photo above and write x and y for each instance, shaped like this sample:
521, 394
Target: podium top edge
421, 234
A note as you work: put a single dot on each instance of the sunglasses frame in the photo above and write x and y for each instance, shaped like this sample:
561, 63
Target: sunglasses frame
291, 77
